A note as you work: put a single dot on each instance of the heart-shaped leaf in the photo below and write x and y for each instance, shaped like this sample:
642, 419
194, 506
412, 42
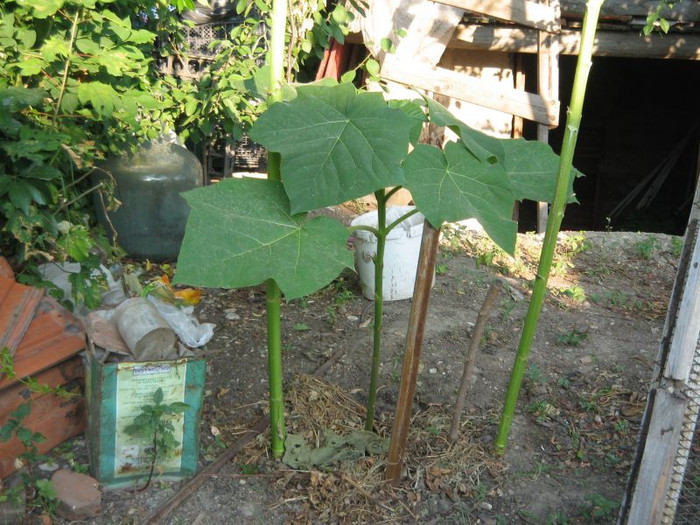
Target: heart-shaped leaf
336, 144
240, 233
454, 185
481, 145
532, 167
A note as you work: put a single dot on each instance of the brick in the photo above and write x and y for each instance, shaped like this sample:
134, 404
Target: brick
78, 495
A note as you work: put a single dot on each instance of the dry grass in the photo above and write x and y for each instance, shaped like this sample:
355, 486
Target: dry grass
355, 491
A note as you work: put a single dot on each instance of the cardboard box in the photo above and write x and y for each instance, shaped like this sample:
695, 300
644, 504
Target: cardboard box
115, 393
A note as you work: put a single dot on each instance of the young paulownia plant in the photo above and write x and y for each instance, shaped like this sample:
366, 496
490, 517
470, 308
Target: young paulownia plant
337, 143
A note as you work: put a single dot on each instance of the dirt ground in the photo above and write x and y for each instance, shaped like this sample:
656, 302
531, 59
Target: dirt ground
573, 436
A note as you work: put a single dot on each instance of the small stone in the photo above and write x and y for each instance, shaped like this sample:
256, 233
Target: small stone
48, 467
231, 314
353, 318
586, 360
77, 494
432, 371
485, 506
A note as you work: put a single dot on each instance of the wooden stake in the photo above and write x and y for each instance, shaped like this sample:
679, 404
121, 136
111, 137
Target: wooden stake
414, 342
481, 320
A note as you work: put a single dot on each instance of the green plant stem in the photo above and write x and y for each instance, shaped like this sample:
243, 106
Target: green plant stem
273, 294
66, 69
273, 302
378, 308
277, 36
401, 219
573, 120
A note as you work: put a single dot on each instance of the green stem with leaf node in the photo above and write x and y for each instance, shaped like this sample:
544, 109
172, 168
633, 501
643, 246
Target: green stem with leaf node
561, 196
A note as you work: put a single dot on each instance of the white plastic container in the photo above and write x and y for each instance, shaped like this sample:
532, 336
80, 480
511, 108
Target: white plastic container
400, 255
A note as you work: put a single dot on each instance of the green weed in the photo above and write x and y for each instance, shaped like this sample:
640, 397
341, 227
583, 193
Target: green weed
676, 246
44, 498
599, 508
646, 247
540, 469
432, 430
248, 468
575, 293
572, 338
542, 410
622, 426
534, 374
508, 306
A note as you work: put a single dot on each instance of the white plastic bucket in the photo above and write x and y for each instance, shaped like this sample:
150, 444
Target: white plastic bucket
400, 255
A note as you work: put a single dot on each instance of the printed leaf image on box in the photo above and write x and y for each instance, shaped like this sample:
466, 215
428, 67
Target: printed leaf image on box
117, 394
137, 384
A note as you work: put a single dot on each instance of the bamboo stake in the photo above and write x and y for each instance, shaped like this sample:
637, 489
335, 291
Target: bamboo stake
414, 342
561, 196
273, 294
481, 320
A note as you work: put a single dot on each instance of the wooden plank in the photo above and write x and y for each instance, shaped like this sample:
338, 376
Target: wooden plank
523, 12
544, 90
660, 452
687, 323
548, 88
470, 89
607, 43
429, 33
681, 11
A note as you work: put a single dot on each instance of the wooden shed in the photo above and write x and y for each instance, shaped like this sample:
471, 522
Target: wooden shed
638, 147
638, 143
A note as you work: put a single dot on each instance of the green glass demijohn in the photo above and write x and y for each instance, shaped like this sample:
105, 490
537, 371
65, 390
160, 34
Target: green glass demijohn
150, 222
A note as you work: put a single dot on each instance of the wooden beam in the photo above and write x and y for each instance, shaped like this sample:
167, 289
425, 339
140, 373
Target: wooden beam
522, 12
660, 449
687, 322
470, 89
681, 11
669, 415
429, 33
629, 44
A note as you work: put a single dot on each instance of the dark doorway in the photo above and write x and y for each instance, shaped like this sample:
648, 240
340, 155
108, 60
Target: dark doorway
637, 146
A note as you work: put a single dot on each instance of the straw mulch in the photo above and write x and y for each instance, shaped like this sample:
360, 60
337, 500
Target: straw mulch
355, 491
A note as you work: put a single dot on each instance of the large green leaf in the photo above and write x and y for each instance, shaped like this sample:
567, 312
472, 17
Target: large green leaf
454, 185
43, 9
532, 167
414, 111
240, 233
102, 97
481, 145
336, 144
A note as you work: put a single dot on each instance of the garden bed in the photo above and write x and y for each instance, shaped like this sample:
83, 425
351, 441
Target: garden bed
573, 437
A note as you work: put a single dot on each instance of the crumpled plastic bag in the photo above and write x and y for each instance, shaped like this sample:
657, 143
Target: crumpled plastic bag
183, 322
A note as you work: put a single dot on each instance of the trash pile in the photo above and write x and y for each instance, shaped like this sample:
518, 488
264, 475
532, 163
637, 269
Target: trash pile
137, 323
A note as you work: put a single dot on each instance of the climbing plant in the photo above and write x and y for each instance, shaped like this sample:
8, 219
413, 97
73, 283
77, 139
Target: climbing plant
81, 80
